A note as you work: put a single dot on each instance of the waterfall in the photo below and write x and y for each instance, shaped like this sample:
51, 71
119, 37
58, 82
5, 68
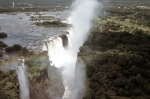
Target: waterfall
59, 55
23, 80
44, 47
84, 11
55, 50
69, 39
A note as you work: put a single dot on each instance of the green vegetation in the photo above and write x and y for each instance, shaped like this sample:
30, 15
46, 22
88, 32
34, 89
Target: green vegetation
117, 54
40, 17
51, 24
9, 86
36, 63
131, 15
45, 81
3, 35
32, 6
21, 51
2, 45
118, 65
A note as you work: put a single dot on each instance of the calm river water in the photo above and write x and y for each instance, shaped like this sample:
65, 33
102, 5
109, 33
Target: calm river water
20, 29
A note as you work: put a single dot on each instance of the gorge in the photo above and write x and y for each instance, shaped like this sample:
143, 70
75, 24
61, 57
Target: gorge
66, 58
87, 50
62, 50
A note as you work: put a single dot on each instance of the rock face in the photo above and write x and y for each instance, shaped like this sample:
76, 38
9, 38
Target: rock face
44, 87
3, 35
64, 39
45, 81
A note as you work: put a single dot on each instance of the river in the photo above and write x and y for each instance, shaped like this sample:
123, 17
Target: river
21, 30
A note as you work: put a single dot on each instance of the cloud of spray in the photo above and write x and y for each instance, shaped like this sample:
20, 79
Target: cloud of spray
84, 11
81, 17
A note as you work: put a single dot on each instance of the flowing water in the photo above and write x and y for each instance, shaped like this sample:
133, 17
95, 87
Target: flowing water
81, 20
54, 41
20, 29
23, 80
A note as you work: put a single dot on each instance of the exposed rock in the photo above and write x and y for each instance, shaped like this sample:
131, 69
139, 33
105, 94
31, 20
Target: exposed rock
64, 39
45, 81
45, 87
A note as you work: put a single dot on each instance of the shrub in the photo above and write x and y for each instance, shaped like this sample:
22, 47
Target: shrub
14, 48
2, 44
137, 92
3, 35
1, 54
147, 89
120, 82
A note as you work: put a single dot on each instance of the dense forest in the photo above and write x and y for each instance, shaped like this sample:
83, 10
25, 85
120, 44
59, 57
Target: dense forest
120, 68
